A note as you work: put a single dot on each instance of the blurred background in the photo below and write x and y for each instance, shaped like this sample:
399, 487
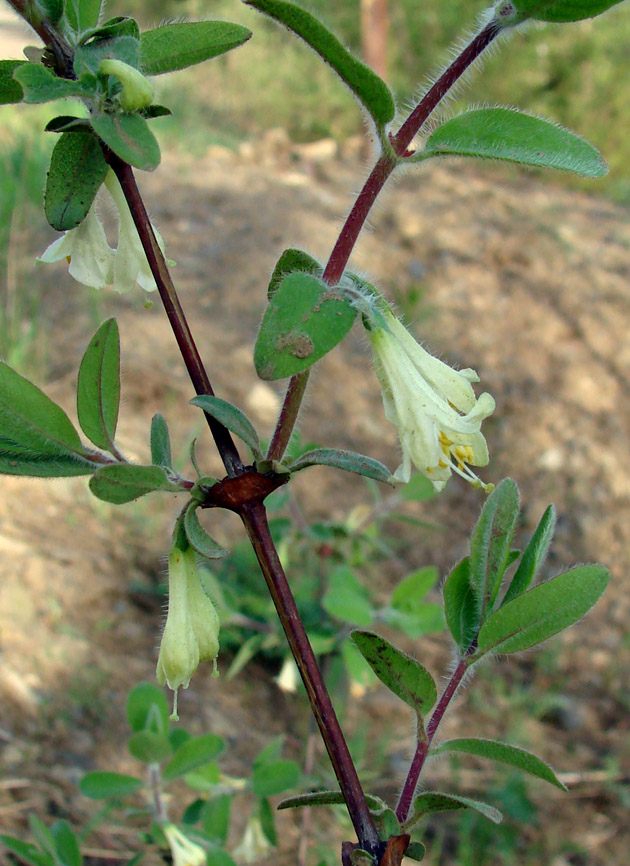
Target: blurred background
522, 275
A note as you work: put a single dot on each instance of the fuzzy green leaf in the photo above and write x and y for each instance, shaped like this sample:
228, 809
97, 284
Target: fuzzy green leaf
123, 482
98, 387
77, 170
501, 133
460, 605
14, 461
534, 556
41, 85
325, 798
176, 46
129, 136
433, 801
88, 57
346, 598
349, 461
160, 442
402, 675
304, 320
118, 26
506, 754
194, 753
561, 11
232, 418
10, 88
366, 85
199, 538
290, 261
543, 611
101, 786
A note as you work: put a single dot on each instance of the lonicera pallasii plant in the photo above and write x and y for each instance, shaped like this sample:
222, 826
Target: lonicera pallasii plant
106, 67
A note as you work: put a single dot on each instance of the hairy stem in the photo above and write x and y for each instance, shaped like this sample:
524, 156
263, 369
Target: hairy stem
288, 416
179, 324
254, 518
52, 39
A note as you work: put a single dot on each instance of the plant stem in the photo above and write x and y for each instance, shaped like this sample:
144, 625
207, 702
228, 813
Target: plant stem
422, 749
172, 306
288, 416
52, 39
254, 518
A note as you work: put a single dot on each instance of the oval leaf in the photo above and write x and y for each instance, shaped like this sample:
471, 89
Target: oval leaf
304, 320
176, 46
129, 136
199, 538
41, 85
346, 598
10, 89
290, 261
148, 709
274, 778
534, 556
160, 442
100, 786
506, 754
460, 605
433, 801
408, 594
192, 754
501, 133
16, 462
77, 170
402, 675
543, 611
232, 418
349, 461
98, 387
123, 482
563, 10
149, 747
366, 85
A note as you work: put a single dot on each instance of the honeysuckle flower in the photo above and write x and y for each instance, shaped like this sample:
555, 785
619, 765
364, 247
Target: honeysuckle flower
191, 631
185, 852
433, 406
90, 257
254, 844
137, 92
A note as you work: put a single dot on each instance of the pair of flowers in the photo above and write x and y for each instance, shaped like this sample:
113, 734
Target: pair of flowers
93, 262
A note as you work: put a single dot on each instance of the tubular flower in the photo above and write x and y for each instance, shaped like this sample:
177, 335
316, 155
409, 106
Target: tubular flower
90, 258
191, 632
185, 852
433, 406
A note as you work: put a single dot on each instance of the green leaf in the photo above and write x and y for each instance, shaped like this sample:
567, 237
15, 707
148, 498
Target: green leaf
215, 818
349, 461
66, 845
416, 851
194, 753
232, 418
204, 778
160, 442
41, 834
10, 89
129, 136
432, 801
101, 786
31, 420
123, 482
89, 12
274, 778
149, 747
270, 753
534, 556
460, 605
77, 170
402, 675
13, 461
68, 123
52, 9
118, 26
98, 386
418, 489
199, 538
427, 619
148, 709
543, 611
41, 85
366, 85
506, 754
325, 798
346, 598
176, 46
562, 11
26, 851
491, 542
268, 821
357, 668
408, 594
290, 261
386, 823
88, 57
304, 320
501, 133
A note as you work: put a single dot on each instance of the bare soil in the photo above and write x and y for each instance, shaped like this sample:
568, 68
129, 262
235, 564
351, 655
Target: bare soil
526, 283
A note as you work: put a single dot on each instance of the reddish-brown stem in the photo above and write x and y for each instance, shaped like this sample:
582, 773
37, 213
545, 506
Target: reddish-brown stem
179, 324
288, 416
254, 518
61, 51
422, 749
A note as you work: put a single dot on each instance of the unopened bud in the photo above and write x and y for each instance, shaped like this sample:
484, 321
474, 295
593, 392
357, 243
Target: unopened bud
137, 91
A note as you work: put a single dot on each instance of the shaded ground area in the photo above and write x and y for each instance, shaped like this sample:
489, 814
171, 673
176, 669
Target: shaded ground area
526, 283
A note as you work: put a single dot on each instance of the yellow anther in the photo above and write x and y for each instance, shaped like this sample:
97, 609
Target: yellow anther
444, 440
442, 464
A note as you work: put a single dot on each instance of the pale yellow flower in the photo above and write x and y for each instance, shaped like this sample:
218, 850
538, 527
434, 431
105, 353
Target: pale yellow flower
185, 852
89, 256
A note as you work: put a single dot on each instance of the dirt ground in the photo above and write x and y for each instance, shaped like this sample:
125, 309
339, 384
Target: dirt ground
525, 282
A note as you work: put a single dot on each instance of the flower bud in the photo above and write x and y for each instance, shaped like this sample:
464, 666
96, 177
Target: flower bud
137, 91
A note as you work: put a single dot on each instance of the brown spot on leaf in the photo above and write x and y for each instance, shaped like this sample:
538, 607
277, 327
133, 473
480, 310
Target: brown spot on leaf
295, 343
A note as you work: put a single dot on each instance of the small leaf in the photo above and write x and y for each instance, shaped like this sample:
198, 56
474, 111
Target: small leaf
268, 821
129, 136
98, 386
41, 85
10, 89
402, 675
346, 598
160, 442
430, 802
194, 753
88, 57
30, 419
77, 170
362, 81
101, 786
269, 779
66, 845
232, 418
460, 605
290, 261
501, 133
543, 611
534, 556
148, 709
416, 851
325, 798
506, 754
408, 594
304, 320
149, 747
26, 852
13, 461
561, 11
491, 542
349, 461
215, 818
118, 26
386, 822
199, 538
123, 482
88, 12
176, 46
68, 123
